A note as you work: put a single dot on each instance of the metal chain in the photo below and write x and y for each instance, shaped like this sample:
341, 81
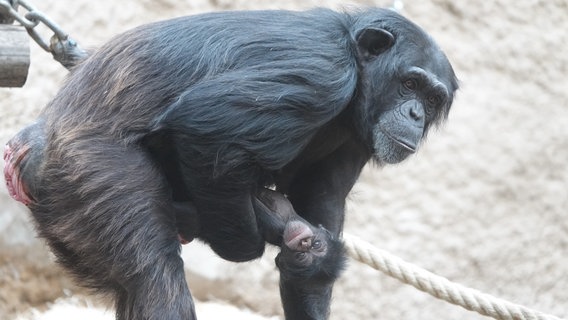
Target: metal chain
64, 49
5, 18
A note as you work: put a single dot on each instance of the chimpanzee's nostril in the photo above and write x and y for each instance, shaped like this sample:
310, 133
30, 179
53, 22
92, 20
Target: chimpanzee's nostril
414, 115
415, 112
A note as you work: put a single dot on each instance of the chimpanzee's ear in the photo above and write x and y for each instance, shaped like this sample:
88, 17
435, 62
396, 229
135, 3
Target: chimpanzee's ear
374, 41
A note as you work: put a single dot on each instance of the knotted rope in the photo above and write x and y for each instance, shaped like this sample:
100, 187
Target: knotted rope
438, 286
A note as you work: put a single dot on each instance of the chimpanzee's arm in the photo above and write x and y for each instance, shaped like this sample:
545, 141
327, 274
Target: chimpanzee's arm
318, 193
319, 190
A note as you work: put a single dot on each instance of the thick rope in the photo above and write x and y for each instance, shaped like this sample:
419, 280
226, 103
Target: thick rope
437, 286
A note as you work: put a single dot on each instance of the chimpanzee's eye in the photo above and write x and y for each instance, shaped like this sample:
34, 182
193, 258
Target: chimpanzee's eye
434, 100
410, 84
316, 244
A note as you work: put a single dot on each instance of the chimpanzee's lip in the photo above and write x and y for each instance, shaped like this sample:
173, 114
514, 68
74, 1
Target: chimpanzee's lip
411, 147
294, 233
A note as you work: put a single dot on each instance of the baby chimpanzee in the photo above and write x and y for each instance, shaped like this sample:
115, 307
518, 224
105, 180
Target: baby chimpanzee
307, 252
311, 258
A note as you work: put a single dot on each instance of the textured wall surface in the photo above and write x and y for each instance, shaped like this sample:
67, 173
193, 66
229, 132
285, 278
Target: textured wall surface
484, 203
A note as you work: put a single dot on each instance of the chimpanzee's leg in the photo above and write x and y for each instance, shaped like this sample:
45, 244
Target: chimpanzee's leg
228, 221
106, 211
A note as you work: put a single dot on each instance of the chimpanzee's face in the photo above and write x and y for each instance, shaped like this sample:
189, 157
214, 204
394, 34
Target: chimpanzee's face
410, 86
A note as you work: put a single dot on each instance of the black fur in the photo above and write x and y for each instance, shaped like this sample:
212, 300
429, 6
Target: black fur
210, 110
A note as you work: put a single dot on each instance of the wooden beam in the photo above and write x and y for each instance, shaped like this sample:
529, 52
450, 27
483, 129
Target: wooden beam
14, 55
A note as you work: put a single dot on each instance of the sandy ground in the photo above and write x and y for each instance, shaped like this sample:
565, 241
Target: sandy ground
484, 203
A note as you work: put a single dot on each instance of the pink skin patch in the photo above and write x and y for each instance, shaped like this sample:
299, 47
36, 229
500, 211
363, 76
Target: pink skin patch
16, 188
297, 236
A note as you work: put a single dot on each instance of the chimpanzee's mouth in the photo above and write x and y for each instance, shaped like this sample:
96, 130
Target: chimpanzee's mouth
294, 233
409, 146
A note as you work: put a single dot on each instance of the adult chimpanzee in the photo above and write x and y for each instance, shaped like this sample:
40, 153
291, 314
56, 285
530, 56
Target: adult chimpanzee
210, 110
